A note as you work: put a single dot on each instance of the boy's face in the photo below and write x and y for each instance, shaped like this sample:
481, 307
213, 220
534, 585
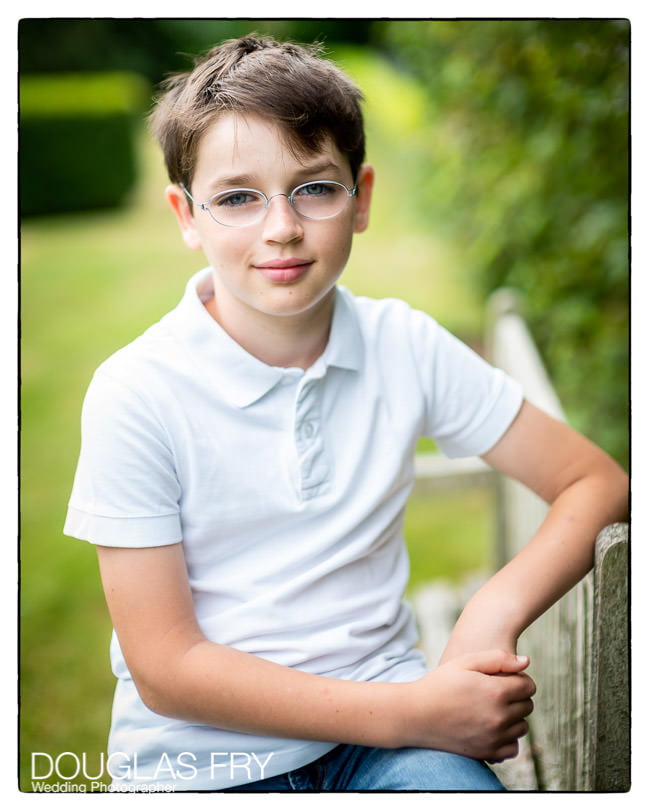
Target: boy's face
250, 152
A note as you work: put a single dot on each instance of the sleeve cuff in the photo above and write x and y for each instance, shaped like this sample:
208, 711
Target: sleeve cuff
491, 428
159, 530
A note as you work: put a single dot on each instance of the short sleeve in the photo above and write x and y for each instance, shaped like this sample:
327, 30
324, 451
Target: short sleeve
126, 491
469, 403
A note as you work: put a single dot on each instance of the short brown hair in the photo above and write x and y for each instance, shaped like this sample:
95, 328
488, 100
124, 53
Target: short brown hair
292, 85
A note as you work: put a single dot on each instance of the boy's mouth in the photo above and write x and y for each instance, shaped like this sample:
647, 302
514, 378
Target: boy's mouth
284, 270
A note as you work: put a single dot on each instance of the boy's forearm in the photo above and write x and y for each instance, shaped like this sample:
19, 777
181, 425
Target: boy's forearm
553, 561
226, 688
464, 707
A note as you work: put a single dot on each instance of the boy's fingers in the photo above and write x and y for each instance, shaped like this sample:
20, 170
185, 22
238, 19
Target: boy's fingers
518, 710
518, 729
509, 746
505, 753
514, 664
492, 662
521, 685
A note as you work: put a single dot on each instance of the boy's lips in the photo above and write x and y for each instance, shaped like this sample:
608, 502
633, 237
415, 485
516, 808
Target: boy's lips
283, 270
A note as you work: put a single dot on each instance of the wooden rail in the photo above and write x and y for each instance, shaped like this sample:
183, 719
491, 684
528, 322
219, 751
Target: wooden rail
579, 736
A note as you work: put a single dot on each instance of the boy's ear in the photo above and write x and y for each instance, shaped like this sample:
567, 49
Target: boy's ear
365, 185
180, 206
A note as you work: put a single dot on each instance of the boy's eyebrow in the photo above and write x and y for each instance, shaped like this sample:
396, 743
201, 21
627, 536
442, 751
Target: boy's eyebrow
231, 181
318, 167
250, 181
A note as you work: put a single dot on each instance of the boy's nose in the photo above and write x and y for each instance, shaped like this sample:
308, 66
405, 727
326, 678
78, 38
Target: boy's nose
281, 222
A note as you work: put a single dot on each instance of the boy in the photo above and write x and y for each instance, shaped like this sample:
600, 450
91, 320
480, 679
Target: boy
246, 462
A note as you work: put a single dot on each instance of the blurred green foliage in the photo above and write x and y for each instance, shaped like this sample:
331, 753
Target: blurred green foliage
86, 93
156, 47
77, 140
526, 169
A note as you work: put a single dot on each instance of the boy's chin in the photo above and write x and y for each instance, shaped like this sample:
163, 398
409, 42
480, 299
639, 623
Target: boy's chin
294, 300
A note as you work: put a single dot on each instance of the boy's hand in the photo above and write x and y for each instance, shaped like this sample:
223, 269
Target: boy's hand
473, 705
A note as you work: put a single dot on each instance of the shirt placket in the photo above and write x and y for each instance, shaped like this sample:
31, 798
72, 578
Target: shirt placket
313, 469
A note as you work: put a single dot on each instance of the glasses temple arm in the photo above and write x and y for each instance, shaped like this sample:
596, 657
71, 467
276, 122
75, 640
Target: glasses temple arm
186, 190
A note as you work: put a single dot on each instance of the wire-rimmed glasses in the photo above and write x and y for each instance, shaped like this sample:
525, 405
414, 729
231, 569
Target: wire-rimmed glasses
315, 200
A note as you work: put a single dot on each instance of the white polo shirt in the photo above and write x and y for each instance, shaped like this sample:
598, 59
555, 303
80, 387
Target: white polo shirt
287, 489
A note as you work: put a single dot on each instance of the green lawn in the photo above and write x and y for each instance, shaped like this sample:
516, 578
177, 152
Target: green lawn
92, 282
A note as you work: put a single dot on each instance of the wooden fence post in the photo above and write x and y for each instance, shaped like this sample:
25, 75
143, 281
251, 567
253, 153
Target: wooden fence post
610, 731
579, 732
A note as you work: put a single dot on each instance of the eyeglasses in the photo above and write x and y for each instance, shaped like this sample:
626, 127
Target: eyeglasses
316, 200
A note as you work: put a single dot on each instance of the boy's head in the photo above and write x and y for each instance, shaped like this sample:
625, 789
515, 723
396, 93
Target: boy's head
292, 86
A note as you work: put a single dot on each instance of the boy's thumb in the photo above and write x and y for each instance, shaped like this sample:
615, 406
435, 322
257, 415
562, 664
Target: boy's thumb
497, 661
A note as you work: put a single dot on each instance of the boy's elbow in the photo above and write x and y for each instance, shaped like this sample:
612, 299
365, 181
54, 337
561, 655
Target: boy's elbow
152, 698
614, 489
156, 693
620, 486
164, 684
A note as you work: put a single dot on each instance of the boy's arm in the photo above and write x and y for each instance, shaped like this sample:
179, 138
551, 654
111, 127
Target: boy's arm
586, 489
181, 674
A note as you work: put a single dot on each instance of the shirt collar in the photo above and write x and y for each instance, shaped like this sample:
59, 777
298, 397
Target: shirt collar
242, 378
345, 346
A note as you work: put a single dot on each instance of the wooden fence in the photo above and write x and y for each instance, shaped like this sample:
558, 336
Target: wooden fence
579, 737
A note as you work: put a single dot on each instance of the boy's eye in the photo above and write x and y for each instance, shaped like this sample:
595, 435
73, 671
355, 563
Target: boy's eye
237, 199
315, 189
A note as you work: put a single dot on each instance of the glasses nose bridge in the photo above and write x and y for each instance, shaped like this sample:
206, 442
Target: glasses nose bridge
289, 198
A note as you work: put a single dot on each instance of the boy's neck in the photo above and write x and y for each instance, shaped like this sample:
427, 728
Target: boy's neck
287, 342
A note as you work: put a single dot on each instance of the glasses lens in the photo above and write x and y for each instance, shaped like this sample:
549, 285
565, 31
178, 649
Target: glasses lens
319, 200
238, 207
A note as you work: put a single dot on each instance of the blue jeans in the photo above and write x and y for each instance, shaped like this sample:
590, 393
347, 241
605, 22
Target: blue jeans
360, 768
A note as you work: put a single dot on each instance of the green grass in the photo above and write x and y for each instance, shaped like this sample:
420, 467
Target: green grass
89, 284
449, 534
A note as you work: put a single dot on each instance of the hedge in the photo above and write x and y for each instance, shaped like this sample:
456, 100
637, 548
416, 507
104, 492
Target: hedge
526, 167
77, 140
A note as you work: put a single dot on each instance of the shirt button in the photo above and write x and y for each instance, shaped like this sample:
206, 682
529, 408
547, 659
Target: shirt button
309, 430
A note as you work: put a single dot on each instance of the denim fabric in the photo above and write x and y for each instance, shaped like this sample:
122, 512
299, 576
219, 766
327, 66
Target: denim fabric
359, 768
